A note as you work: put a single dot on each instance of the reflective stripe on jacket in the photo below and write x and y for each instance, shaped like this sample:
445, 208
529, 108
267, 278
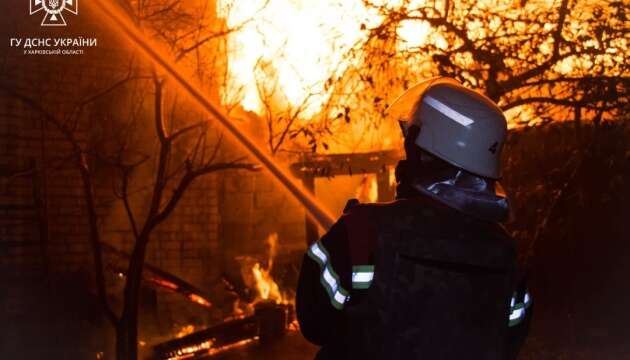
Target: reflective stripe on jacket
338, 271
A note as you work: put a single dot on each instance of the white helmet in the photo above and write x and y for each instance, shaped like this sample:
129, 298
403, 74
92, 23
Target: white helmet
457, 125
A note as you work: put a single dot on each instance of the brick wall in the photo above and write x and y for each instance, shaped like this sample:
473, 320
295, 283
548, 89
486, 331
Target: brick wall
43, 227
255, 206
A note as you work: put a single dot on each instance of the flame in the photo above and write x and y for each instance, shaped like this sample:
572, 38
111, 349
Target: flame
185, 330
199, 300
291, 51
368, 189
190, 351
207, 349
220, 349
392, 176
163, 283
292, 47
412, 34
290, 57
266, 286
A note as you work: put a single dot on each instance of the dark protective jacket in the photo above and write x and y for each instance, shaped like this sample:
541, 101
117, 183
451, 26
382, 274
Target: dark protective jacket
413, 279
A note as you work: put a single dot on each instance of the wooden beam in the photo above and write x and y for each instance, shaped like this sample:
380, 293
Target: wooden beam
317, 165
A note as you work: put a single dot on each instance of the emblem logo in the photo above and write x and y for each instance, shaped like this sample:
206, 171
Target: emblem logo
54, 10
493, 148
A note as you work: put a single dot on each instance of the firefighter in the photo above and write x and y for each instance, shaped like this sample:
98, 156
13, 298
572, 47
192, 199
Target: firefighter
433, 274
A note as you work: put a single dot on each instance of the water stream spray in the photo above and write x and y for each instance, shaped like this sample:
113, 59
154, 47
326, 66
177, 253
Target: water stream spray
126, 27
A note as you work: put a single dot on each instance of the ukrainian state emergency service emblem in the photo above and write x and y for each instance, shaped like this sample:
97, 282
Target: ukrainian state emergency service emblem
54, 10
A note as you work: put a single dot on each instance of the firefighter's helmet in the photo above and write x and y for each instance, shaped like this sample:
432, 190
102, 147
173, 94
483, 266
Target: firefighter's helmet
457, 124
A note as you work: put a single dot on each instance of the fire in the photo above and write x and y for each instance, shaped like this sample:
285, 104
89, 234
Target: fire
185, 330
368, 189
266, 286
220, 349
163, 283
413, 34
206, 348
291, 56
292, 47
190, 351
391, 172
199, 300
290, 53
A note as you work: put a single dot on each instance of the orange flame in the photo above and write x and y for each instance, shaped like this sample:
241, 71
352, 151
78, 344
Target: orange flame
368, 189
208, 349
185, 330
199, 300
266, 286
299, 44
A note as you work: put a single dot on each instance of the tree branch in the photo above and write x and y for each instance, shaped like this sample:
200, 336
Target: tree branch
125, 199
165, 150
88, 191
186, 129
191, 176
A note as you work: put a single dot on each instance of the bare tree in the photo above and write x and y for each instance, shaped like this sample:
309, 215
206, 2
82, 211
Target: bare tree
200, 160
285, 121
187, 149
171, 180
556, 59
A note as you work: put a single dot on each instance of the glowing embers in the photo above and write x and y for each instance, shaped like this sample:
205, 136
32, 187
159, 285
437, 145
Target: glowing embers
268, 323
199, 300
261, 316
205, 349
185, 330
173, 284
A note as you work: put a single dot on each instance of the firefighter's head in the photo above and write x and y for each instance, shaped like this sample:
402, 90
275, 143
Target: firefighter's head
453, 142
443, 120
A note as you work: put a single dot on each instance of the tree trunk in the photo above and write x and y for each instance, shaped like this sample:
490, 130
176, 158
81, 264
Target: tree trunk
127, 331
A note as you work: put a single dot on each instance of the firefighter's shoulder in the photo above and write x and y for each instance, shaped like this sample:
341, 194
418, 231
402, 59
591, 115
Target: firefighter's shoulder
360, 223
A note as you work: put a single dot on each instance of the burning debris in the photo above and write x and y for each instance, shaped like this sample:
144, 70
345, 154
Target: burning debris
266, 286
268, 323
158, 278
266, 317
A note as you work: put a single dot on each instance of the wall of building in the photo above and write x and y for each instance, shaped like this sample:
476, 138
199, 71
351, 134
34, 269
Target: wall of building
44, 249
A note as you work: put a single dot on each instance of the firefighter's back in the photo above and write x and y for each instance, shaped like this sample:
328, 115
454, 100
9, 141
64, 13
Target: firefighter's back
441, 289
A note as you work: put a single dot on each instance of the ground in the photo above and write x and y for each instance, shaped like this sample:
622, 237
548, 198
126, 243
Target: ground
292, 347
